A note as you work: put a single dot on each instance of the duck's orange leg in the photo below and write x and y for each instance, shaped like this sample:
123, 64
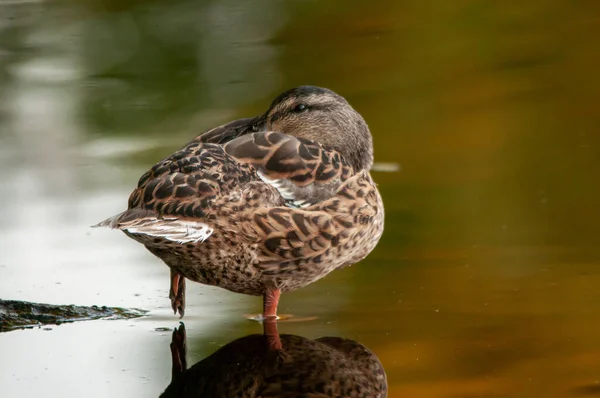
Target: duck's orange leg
177, 293
270, 301
271, 333
178, 351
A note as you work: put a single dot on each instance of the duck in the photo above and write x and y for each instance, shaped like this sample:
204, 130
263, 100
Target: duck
262, 205
250, 367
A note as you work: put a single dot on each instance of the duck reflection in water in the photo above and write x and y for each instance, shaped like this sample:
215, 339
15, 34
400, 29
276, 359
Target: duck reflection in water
273, 365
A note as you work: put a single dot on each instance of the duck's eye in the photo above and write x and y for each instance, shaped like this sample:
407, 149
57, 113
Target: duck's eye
300, 108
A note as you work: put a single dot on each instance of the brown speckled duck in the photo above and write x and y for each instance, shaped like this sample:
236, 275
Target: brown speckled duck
262, 205
249, 367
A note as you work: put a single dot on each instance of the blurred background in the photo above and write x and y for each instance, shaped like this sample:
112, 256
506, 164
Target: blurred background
485, 282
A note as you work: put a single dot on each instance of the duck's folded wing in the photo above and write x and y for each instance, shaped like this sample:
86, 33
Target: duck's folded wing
182, 183
177, 194
304, 172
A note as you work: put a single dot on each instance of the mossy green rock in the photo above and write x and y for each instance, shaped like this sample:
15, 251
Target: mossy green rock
22, 314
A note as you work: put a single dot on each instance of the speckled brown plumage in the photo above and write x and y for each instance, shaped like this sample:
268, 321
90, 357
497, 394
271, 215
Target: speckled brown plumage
249, 368
262, 204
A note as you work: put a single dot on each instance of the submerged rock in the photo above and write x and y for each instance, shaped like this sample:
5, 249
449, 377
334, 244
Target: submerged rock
22, 314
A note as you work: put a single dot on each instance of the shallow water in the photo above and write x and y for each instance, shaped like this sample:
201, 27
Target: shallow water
485, 281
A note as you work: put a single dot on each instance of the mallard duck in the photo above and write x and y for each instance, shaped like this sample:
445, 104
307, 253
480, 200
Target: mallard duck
249, 367
262, 205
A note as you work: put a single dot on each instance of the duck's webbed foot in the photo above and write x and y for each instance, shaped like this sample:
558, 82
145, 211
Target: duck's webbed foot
177, 293
178, 351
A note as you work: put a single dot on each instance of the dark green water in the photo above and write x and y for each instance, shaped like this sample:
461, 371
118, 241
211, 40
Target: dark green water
485, 283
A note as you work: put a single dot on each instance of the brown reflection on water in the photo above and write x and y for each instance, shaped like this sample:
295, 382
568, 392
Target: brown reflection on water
485, 281
484, 322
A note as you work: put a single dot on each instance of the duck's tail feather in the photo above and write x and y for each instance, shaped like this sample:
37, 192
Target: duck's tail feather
146, 222
125, 218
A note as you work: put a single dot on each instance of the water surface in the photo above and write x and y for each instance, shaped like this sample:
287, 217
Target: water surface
485, 282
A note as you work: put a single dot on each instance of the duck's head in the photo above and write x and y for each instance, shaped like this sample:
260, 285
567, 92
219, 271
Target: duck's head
320, 115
